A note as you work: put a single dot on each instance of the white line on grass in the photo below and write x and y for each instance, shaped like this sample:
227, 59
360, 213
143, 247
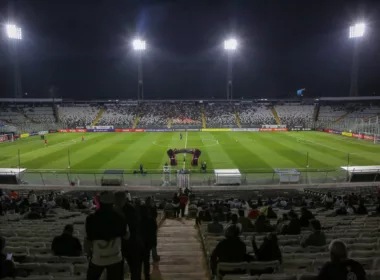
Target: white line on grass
184, 162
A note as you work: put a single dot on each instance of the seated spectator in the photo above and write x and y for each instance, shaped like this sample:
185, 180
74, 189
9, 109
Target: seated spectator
306, 216
351, 210
246, 223
294, 226
340, 266
32, 198
234, 222
342, 210
317, 237
7, 265
66, 244
231, 249
13, 195
262, 224
254, 212
362, 210
268, 212
328, 201
215, 226
284, 221
269, 249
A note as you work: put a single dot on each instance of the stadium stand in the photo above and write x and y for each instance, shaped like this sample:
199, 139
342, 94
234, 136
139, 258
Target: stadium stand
78, 116
295, 115
185, 114
40, 114
255, 115
154, 115
118, 116
178, 244
12, 115
220, 115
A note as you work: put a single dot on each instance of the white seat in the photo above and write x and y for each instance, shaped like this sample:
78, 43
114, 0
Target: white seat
230, 267
59, 269
259, 266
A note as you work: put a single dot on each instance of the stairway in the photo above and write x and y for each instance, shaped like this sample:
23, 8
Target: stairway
341, 117
316, 112
237, 118
98, 117
203, 116
55, 113
275, 115
170, 121
180, 249
136, 121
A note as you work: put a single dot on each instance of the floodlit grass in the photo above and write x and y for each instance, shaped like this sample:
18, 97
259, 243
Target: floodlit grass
243, 150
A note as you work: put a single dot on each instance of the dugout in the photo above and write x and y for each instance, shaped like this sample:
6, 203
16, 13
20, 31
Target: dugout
11, 176
113, 178
370, 173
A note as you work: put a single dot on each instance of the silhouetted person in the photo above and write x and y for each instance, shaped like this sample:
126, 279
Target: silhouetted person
66, 244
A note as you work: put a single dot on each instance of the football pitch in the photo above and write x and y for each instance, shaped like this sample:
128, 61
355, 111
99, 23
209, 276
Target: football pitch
246, 151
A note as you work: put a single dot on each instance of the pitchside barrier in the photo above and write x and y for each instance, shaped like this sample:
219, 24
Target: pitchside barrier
66, 177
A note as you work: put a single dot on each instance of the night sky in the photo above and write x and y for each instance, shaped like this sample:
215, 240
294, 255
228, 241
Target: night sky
83, 47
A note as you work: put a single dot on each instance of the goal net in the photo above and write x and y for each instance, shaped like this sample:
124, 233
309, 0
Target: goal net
6, 138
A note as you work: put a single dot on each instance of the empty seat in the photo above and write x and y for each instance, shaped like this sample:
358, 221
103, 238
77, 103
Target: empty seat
272, 266
59, 269
277, 277
231, 267
308, 276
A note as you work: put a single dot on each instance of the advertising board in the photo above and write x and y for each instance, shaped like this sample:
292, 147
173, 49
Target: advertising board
53, 131
4, 138
245, 129
273, 129
43, 132
129, 130
158, 130
33, 133
24, 135
72, 130
356, 135
100, 127
216, 129
97, 130
348, 134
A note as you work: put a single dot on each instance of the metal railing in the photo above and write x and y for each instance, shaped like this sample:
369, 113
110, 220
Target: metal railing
95, 178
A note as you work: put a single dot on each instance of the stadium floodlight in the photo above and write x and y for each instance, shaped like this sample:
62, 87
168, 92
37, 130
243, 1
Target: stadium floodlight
230, 44
13, 32
357, 30
139, 45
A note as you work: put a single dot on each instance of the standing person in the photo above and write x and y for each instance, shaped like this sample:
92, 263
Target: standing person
182, 203
149, 234
105, 230
45, 142
66, 244
132, 247
82, 138
176, 205
180, 136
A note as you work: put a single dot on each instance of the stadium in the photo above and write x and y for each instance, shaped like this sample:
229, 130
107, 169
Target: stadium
233, 185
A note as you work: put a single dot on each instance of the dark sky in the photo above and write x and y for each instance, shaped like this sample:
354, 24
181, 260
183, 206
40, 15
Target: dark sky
82, 47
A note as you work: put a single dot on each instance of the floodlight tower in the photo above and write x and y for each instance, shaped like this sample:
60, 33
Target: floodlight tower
230, 46
14, 35
356, 33
139, 47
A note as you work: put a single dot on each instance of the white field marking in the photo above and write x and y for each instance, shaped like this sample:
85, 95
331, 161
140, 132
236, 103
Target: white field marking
301, 139
213, 142
356, 141
184, 156
65, 143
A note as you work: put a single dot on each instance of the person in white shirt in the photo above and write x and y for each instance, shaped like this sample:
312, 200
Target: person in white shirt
32, 198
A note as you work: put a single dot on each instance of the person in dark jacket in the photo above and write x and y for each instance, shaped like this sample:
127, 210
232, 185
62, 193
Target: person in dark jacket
7, 265
149, 234
294, 226
215, 227
340, 266
306, 216
317, 237
246, 223
362, 210
66, 244
176, 205
134, 245
262, 224
269, 249
229, 250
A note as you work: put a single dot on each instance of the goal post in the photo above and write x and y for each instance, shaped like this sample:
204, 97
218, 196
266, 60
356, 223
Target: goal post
4, 138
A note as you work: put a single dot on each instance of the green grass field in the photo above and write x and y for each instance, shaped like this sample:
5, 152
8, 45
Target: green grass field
243, 150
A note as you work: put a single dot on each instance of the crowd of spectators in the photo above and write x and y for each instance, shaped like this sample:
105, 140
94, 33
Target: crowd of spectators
219, 115
77, 116
251, 114
295, 115
118, 116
